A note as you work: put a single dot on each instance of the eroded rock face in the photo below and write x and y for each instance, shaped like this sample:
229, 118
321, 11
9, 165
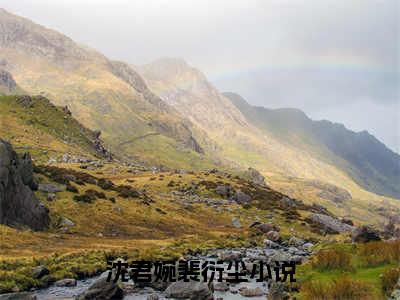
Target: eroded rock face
18, 204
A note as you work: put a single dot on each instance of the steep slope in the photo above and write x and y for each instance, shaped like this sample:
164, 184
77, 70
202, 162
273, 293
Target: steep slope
34, 124
369, 162
104, 95
239, 142
8, 86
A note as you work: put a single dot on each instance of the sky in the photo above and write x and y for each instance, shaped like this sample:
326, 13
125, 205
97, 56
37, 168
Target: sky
336, 60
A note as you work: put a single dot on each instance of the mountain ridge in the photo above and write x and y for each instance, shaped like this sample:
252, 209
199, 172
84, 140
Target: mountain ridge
364, 153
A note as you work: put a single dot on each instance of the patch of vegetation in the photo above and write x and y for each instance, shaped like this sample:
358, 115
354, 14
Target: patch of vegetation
343, 288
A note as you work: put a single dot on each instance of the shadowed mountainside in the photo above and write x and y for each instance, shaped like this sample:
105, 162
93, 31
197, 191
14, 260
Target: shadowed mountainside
369, 162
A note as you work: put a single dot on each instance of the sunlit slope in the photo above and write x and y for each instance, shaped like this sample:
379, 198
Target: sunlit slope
360, 155
102, 94
35, 125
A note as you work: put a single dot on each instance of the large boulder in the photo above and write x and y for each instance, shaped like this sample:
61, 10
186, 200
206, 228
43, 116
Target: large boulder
255, 176
225, 191
18, 204
189, 290
329, 224
101, 289
242, 198
364, 234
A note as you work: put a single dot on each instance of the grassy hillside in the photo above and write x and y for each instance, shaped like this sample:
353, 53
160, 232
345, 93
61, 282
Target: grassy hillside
34, 124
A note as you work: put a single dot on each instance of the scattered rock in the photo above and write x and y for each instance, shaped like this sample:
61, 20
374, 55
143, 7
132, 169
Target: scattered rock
225, 191
251, 292
66, 222
329, 224
277, 291
51, 188
101, 289
273, 235
256, 177
296, 242
242, 198
221, 286
152, 297
236, 223
364, 234
66, 282
193, 290
40, 271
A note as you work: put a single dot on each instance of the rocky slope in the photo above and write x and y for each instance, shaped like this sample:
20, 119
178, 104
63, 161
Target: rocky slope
104, 95
366, 160
18, 204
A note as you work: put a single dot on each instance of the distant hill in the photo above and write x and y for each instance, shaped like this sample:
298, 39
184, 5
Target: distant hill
368, 161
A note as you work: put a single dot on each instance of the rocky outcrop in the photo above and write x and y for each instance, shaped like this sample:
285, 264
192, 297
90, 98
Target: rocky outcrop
18, 204
7, 83
364, 234
255, 176
328, 223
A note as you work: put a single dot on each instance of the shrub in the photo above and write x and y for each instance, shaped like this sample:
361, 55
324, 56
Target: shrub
343, 288
332, 259
389, 280
382, 252
125, 191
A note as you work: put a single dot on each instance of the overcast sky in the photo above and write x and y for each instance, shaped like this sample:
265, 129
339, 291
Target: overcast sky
334, 59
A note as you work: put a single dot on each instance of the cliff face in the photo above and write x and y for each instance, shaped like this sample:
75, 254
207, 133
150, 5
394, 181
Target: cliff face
18, 204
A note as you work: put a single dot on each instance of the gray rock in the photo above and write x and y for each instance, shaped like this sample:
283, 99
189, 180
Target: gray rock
251, 292
225, 191
40, 271
273, 235
308, 247
296, 242
329, 224
18, 296
256, 176
193, 290
66, 282
51, 188
364, 234
101, 289
271, 244
152, 297
66, 222
221, 286
236, 223
277, 291
242, 198
18, 204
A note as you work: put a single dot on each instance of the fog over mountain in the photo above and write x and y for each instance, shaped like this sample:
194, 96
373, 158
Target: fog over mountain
333, 59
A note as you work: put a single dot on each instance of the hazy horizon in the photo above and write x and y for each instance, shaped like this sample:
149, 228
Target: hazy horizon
334, 60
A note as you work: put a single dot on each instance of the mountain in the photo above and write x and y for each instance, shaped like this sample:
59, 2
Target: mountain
364, 158
104, 95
